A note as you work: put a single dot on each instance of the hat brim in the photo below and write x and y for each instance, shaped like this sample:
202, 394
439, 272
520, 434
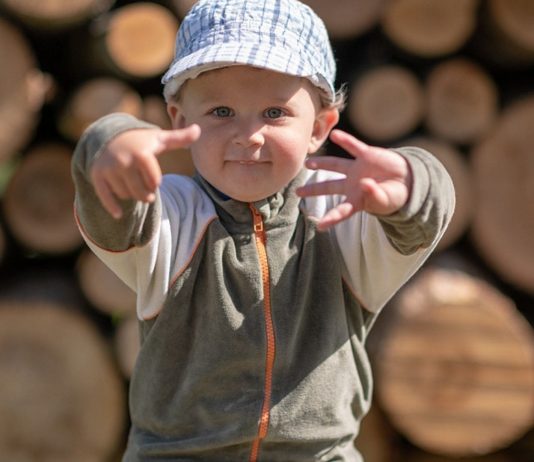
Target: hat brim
263, 56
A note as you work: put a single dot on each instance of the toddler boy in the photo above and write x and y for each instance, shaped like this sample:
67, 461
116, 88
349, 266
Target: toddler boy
258, 280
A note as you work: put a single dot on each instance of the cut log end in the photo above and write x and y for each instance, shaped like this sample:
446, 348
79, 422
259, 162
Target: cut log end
462, 101
22, 91
60, 394
94, 99
348, 18
178, 161
140, 40
127, 345
503, 174
386, 103
55, 14
455, 372
430, 28
155, 111
376, 437
515, 19
38, 201
104, 290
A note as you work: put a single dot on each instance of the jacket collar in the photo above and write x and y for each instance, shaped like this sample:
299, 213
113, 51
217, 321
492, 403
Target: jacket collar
280, 209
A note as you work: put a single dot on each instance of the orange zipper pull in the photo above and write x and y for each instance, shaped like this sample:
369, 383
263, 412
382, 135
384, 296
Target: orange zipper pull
258, 219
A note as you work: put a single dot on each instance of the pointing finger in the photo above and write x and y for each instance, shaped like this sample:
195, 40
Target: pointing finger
179, 138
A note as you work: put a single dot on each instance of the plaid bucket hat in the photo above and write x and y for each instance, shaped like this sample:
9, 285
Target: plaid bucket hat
279, 35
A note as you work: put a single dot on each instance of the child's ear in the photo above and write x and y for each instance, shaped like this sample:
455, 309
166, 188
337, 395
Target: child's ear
175, 113
325, 121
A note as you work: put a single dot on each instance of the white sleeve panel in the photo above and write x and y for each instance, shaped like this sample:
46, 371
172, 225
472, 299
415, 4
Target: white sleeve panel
376, 270
373, 268
151, 269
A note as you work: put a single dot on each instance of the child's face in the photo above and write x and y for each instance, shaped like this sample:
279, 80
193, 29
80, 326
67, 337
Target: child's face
257, 127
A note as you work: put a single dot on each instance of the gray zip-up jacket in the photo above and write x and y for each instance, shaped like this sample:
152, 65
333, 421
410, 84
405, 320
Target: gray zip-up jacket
252, 322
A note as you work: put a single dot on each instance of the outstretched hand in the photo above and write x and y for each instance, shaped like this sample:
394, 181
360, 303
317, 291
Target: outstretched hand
127, 168
377, 180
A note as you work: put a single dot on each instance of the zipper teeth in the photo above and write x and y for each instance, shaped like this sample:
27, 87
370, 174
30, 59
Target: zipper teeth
263, 426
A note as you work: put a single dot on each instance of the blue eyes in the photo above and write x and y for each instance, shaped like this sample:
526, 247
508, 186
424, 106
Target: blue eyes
273, 113
224, 112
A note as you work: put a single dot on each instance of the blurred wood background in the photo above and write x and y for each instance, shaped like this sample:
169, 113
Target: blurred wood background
453, 353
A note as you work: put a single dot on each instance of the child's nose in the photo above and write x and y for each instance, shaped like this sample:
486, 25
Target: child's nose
249, 133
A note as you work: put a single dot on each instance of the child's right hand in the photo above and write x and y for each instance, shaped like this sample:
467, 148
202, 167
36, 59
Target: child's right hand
127, 168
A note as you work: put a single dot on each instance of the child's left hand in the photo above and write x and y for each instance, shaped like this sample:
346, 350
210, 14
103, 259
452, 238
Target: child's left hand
377, 181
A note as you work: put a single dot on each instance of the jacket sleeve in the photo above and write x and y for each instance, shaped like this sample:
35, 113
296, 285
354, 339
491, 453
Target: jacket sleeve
152, 243
425, 217
381, 253
95, 223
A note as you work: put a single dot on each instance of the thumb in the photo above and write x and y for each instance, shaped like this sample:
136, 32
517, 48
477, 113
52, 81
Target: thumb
178, 138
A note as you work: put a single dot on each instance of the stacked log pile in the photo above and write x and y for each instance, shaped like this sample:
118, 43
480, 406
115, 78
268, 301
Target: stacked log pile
453, 353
